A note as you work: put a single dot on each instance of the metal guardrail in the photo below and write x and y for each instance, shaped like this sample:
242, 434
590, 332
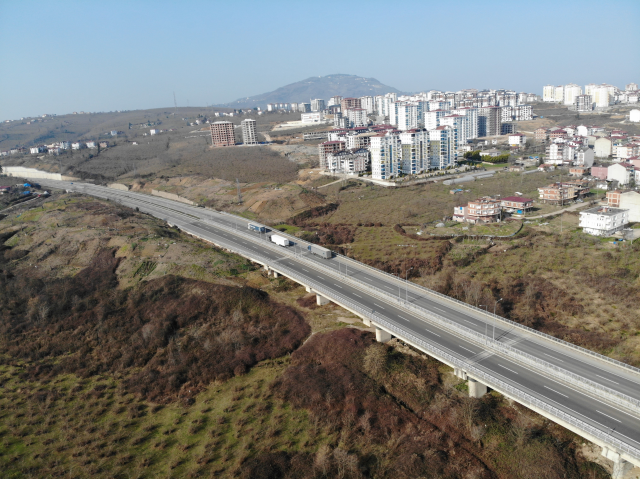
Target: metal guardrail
490, 379
560, 373
456, 328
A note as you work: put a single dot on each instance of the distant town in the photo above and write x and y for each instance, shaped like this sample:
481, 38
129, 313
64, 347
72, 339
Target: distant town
393, 139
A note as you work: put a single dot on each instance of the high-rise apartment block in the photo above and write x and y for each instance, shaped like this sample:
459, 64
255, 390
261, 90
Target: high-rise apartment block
327, 148
356, 116
583, 103
571, 91
317, 105
249, 133
443, 147
222, 134
489, 121
348, 103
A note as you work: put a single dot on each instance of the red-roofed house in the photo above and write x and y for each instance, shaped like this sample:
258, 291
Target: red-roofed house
516, 205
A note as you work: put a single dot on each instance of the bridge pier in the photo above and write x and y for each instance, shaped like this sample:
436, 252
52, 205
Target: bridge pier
382, 336
366, 321
620, 466
274, 273
321, 300
476, 389
308, 289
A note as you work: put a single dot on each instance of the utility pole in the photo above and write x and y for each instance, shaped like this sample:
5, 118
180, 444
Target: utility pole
175, 103
238, 188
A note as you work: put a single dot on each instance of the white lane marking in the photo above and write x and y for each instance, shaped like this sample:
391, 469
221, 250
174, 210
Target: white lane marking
556, 392
470, 322
553, 357
439, 309
402, 317
472, 352
392, 289
429, 331
305, 270
507, 368
378, 305
357, 295
337, 285
607, 379
608, 416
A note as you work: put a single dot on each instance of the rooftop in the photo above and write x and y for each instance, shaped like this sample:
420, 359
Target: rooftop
603, 210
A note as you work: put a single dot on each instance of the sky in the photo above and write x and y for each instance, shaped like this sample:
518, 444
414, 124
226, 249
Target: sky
64, 56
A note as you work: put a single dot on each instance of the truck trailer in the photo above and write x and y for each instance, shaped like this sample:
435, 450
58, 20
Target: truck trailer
258, 228
320, 251
280, 240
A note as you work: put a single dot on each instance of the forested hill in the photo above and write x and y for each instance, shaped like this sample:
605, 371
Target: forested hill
316, 87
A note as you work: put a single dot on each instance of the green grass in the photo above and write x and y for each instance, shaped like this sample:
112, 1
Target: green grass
289, 229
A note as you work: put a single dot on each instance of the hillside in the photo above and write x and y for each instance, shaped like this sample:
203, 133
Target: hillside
316, 87
128, 349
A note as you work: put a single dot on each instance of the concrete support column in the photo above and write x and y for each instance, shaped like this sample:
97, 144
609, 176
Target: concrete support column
275, 274
321, 300
382, 336
476, 389
366, 321
308, 289
620, 466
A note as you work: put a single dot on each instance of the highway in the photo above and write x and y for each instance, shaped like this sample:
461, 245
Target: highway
415, 310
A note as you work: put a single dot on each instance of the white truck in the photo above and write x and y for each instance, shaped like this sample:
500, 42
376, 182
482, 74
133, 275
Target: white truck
280, 240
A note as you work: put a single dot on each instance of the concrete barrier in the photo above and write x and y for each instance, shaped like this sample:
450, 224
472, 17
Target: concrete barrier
118, 186
172, 196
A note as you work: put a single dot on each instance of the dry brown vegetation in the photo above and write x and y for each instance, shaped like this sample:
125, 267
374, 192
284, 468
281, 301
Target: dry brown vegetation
122, 316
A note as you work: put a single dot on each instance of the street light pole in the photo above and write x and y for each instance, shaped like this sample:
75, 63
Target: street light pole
494, 319
486, 322
406, 283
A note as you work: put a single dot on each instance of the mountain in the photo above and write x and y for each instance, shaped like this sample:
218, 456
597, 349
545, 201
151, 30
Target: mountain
315, 87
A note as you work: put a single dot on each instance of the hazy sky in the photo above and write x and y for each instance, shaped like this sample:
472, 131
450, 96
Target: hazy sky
61, 56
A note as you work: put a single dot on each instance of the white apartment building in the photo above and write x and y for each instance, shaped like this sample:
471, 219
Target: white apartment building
559, 94
442, 147
432, 118
317, 105
415, 151
472, 122
406, 116
349, 161
461, 124
603, 220
312, 117
571, 91
619, 173
357, 117
386, 156
368, 104
631, 87
517, 139
634, 115
335, 100
601, 97
249, 132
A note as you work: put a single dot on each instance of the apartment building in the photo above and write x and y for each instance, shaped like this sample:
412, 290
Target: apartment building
482, 210
349, 161
570, 93
583, 103
471, 124
516, 205
317, 105
368, 104
406, 116
443, 143
356, 117
415, 151
489, 121
347, 103
603, 220
557, 193
549, 93
386, 156
432, 118
249, 132
628, 200
222, 133
327, 148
